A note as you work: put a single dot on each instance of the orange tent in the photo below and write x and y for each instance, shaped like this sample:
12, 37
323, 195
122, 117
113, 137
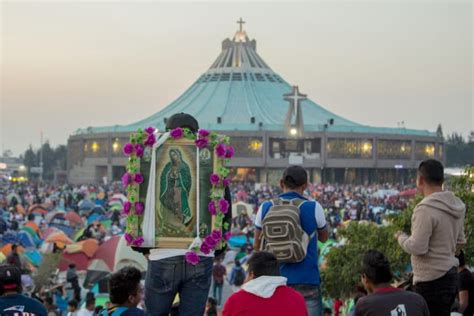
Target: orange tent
37, 209
8, 248
88, 247
59, 238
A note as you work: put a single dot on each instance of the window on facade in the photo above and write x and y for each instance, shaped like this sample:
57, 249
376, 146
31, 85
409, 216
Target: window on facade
394, 149
349, 148
250, 147
424, 150
96, 148
284, 148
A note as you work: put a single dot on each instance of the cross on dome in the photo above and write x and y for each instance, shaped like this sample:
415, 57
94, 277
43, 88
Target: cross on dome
295, 97
240, 22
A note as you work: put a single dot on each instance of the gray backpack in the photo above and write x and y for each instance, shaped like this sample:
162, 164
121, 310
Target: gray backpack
282, 232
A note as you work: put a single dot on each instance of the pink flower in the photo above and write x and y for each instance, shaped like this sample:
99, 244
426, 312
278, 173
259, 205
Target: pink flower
191, 258
201, 143
138, 242
226, 182
216, 235
150, 140
229, 153
126, 207
128, 238
139, 178
215, 179
126, 179
139, 207
220, 150
227, 235
211, 242
139, 150
128, 149
205, 249
212, 208
224, 206
177, 133
203, 133
149, 130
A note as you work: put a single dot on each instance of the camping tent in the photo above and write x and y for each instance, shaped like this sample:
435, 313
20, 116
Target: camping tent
112, 255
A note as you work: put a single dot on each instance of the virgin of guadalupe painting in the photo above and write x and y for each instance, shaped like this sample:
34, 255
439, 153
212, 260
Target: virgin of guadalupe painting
181, 192
175, 188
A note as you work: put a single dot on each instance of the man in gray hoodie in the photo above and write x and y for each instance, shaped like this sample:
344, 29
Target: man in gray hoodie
437, 232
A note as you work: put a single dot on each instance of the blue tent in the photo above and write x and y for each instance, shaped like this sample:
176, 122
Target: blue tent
25, 239
9, 238
34, 256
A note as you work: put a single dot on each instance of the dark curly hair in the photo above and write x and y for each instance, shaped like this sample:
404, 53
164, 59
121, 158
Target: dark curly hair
124, 283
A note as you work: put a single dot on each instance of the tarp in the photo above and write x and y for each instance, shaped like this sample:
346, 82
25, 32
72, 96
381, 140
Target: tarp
238, 241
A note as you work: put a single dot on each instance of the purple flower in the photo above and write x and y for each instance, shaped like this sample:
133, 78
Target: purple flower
211, 242
150, 140
216, 235
177, 133
126, 207
229, 153
149, 130
227, 235
191, 258
138, 242
126, 179
224, 206
212, 208
201, 143
127, 149
220, 150
226, 182
205, 249
139, 150
139, 207
128, 238
203, 133
215, 179
139, 178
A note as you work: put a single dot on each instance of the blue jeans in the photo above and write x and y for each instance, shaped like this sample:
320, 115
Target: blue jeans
312, 298
217, 291
167, 277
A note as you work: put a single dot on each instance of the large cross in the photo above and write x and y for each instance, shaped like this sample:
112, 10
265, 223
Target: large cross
295, 97
240, 22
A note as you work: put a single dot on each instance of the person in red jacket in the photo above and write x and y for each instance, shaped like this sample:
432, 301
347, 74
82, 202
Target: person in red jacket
265, 291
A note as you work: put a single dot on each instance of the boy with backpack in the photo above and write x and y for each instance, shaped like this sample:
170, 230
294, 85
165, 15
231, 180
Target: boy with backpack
289, 227
237, 276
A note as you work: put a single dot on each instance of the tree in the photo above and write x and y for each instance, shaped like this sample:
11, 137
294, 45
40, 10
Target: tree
459, 153
439, 131
343, 263
7, 153
30, 159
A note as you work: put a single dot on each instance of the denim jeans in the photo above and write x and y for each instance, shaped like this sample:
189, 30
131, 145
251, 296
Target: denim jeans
217, 292
167, 277
312, 298
439, 294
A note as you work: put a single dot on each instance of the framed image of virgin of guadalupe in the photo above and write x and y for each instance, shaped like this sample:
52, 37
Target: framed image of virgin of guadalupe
181, 192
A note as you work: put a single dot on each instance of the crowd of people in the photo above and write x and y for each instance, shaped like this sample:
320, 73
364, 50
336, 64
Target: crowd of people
274, 271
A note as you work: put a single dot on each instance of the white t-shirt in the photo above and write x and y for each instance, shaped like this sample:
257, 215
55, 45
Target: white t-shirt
318, 211
85, 312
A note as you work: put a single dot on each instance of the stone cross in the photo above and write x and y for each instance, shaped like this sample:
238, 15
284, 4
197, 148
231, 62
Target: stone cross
240, 22
295, 98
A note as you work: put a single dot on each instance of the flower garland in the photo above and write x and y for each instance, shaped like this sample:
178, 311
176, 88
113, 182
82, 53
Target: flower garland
140, 144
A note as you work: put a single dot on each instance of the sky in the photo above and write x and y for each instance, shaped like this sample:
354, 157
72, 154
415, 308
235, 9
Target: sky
67, 65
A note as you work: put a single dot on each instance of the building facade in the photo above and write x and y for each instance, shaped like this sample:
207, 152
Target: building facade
272, 125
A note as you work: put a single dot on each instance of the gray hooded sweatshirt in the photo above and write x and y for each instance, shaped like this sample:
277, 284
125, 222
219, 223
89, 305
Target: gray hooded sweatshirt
437, 228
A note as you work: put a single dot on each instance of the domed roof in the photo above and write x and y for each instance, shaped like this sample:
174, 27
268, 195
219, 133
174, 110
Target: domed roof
241, 92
